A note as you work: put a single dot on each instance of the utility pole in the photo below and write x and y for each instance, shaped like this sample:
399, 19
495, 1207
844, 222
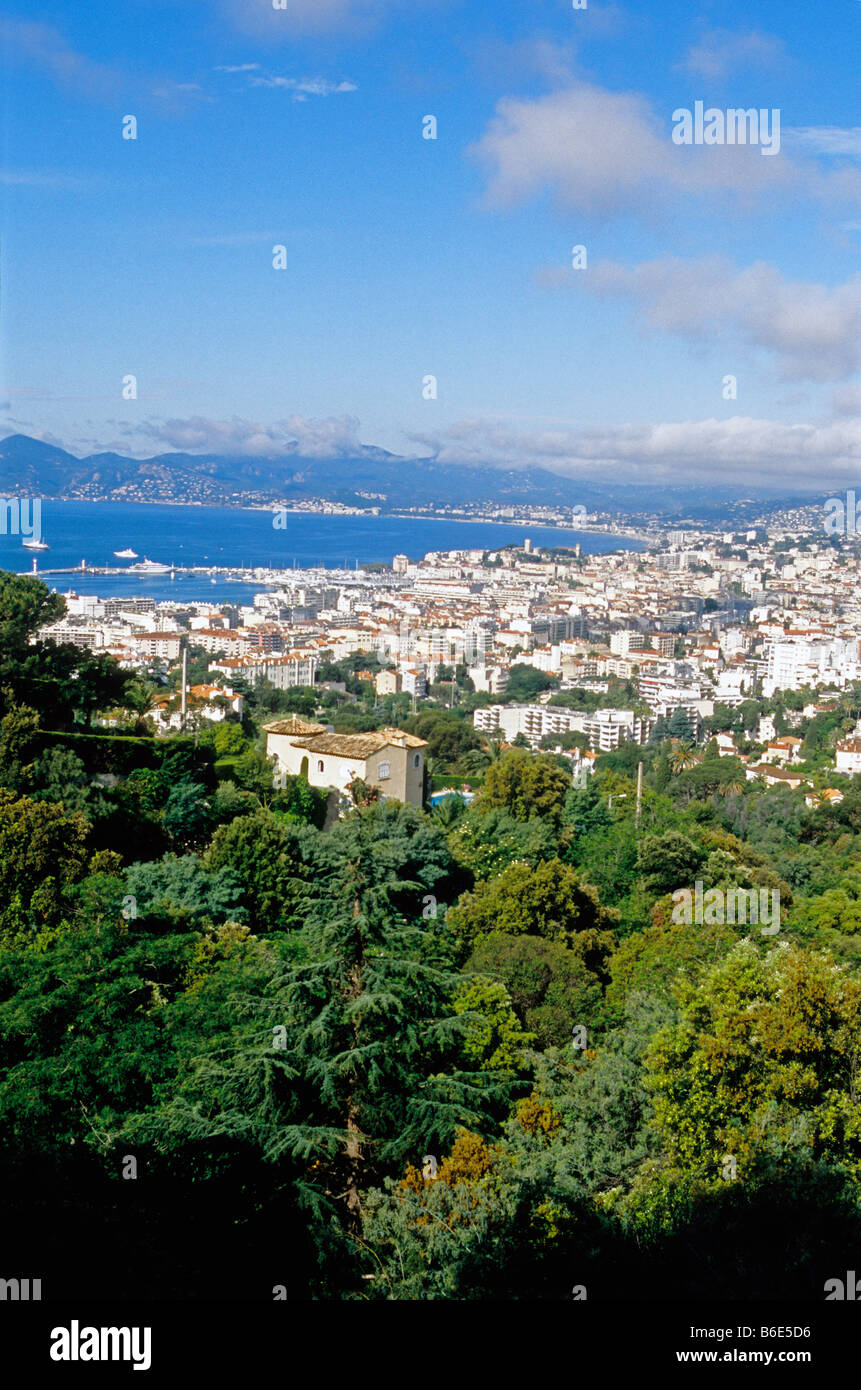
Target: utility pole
639, 792
183, 697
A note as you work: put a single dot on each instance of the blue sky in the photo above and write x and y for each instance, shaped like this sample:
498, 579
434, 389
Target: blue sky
451, 257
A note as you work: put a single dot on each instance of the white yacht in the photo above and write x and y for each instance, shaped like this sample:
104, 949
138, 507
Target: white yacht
126, 554
146, 566
35, 544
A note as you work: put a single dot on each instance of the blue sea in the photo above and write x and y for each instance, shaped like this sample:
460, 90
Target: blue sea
243, 538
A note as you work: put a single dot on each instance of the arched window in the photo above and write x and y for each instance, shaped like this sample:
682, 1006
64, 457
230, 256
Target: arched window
320, 765
417, 760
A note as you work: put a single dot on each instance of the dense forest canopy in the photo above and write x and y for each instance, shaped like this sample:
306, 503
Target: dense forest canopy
467, 1052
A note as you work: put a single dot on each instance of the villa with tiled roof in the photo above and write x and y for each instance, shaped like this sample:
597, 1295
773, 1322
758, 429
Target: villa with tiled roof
388, 759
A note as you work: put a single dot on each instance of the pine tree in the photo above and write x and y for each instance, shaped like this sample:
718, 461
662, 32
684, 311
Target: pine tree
659, 730
351, 1061
679, 725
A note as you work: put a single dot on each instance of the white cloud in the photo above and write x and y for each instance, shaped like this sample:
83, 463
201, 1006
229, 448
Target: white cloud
750, 451
300, 87
610, 153
176, 94
502, 63
42, 46
828, 139
814, 330
47, 48
724, 50
335, 437
305, 86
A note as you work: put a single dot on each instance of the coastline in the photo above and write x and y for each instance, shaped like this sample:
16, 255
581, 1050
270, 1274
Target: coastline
224, 552
371, 515
516, 521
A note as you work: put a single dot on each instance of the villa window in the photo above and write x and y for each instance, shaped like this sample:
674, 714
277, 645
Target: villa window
417, 760
383, 771
320, 765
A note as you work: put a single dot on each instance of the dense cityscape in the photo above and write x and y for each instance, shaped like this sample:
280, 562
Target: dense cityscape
699, 626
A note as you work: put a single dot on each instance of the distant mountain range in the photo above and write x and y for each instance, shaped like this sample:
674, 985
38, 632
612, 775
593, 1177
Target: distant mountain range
374, 477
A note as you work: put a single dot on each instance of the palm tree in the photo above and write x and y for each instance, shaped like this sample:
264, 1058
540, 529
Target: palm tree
683, 757
448, 812
479, 759
140, 700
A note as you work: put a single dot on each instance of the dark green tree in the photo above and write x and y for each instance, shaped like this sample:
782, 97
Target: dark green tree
668, 861
26, 605
349, 1063
525, 682
273, 858
526, 784
679, 725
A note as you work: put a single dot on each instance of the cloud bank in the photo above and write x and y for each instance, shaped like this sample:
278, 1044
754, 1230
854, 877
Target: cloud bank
814, 330
333, 437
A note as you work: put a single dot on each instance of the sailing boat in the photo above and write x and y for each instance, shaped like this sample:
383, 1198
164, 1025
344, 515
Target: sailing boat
35, 543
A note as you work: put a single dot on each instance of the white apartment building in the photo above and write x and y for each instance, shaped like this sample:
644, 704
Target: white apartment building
414, 681
74, 634
166, 645
225, 640
489, 680
84, 606
533, 721
796, 662
675, 559
664, 643
664, 692
620, 666
627, 641
607, 728
734, 684
848, 757
547, 659
293, 668
209, 622
476, 641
